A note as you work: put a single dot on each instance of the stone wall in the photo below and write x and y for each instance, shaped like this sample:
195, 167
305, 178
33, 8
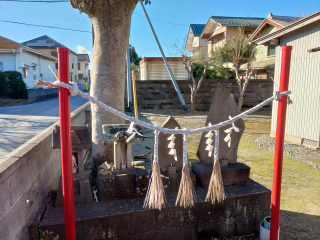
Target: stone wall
27, 175
162, 95
39, 94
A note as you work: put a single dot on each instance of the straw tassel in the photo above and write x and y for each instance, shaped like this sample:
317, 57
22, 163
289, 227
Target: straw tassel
186, 195
216, 189
155, 197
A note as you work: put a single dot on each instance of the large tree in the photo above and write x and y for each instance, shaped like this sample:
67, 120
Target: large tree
111, 20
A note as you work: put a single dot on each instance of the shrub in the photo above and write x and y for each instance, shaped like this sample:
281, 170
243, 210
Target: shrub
16, 87
3, 85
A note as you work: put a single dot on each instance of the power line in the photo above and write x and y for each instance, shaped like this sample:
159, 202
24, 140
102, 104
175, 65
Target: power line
162, 21
35, 25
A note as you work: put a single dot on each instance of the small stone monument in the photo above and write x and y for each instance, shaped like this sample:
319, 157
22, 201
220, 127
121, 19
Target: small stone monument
81, 140
170, 163
223, 106
122, 180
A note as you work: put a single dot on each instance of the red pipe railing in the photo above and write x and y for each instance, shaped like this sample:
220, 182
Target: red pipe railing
66, 147
280, 132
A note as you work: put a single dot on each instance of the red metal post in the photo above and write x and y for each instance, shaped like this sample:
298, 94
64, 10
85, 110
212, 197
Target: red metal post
280, 132
66, 147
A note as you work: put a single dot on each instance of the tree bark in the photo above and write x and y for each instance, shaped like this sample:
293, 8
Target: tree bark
111, 20
193, 100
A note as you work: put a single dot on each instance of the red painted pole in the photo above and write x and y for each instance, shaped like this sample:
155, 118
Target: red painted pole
280, 131
66, 147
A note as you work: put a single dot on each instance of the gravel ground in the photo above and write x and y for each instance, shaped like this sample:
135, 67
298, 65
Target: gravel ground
299, 153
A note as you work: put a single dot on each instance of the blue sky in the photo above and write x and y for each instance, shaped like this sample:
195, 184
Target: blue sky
177, 14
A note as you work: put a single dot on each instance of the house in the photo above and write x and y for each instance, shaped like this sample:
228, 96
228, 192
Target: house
83, 68
153, 68
194, 44
49, 46
264, 59
302, 123
31, 63
218, 29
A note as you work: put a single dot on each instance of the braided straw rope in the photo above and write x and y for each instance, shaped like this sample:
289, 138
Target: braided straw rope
73, 88
155, 197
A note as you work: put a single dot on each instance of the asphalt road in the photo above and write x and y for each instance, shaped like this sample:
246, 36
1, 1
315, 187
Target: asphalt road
18, 124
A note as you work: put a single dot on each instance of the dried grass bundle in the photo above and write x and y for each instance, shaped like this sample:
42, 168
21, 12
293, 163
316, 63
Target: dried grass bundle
186, 195
216, 189
155, 197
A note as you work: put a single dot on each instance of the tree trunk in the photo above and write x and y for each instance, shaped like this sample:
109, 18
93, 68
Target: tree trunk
111, 20
193, 100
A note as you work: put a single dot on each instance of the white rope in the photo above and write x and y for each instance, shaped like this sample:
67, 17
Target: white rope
156, 144
73, 88
185, 154
216, 146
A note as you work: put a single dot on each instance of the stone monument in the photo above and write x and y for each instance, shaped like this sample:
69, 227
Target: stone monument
223, 106
81, 140
122, 180
171, 164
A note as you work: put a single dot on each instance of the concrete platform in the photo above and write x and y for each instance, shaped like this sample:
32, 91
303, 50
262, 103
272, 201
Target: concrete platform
245, 206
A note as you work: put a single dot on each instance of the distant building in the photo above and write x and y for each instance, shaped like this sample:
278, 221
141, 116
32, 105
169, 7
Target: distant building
32, 63
302, 124
265, 57
153, 68
49, 45
194, 44
218, 29
83, 68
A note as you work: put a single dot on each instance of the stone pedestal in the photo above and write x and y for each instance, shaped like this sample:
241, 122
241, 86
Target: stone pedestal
123, 184
237, 173
82, 192
239, 214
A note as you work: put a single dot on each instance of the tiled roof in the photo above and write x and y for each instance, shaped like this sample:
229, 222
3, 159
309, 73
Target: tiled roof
6, 43
197, 29
83, 57
44, 42
238, 21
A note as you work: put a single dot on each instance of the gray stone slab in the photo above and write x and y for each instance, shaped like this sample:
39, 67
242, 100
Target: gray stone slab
165, 159
237, 173
222, 106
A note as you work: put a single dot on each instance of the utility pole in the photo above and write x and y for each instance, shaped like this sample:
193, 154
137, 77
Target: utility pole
165, 60
129, 81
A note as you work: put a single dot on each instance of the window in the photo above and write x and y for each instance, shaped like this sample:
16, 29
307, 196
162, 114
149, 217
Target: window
70, 78
25, 72
75, 78
72, 66
79, 66
34, 68
272, 50
1, 67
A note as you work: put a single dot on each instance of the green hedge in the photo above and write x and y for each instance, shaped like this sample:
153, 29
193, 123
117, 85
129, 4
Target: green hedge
16, 87
3, 85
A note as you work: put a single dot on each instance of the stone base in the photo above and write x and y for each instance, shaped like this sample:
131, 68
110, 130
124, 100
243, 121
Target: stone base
123, 184
237, 173
239, 214
82, 192
171, 182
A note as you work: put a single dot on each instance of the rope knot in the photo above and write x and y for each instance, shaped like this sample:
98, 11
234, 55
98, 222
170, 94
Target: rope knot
74, 89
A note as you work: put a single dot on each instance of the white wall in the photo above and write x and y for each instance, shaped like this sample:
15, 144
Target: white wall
84, 69
73, 58
8, 62
303, 116
42, 67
